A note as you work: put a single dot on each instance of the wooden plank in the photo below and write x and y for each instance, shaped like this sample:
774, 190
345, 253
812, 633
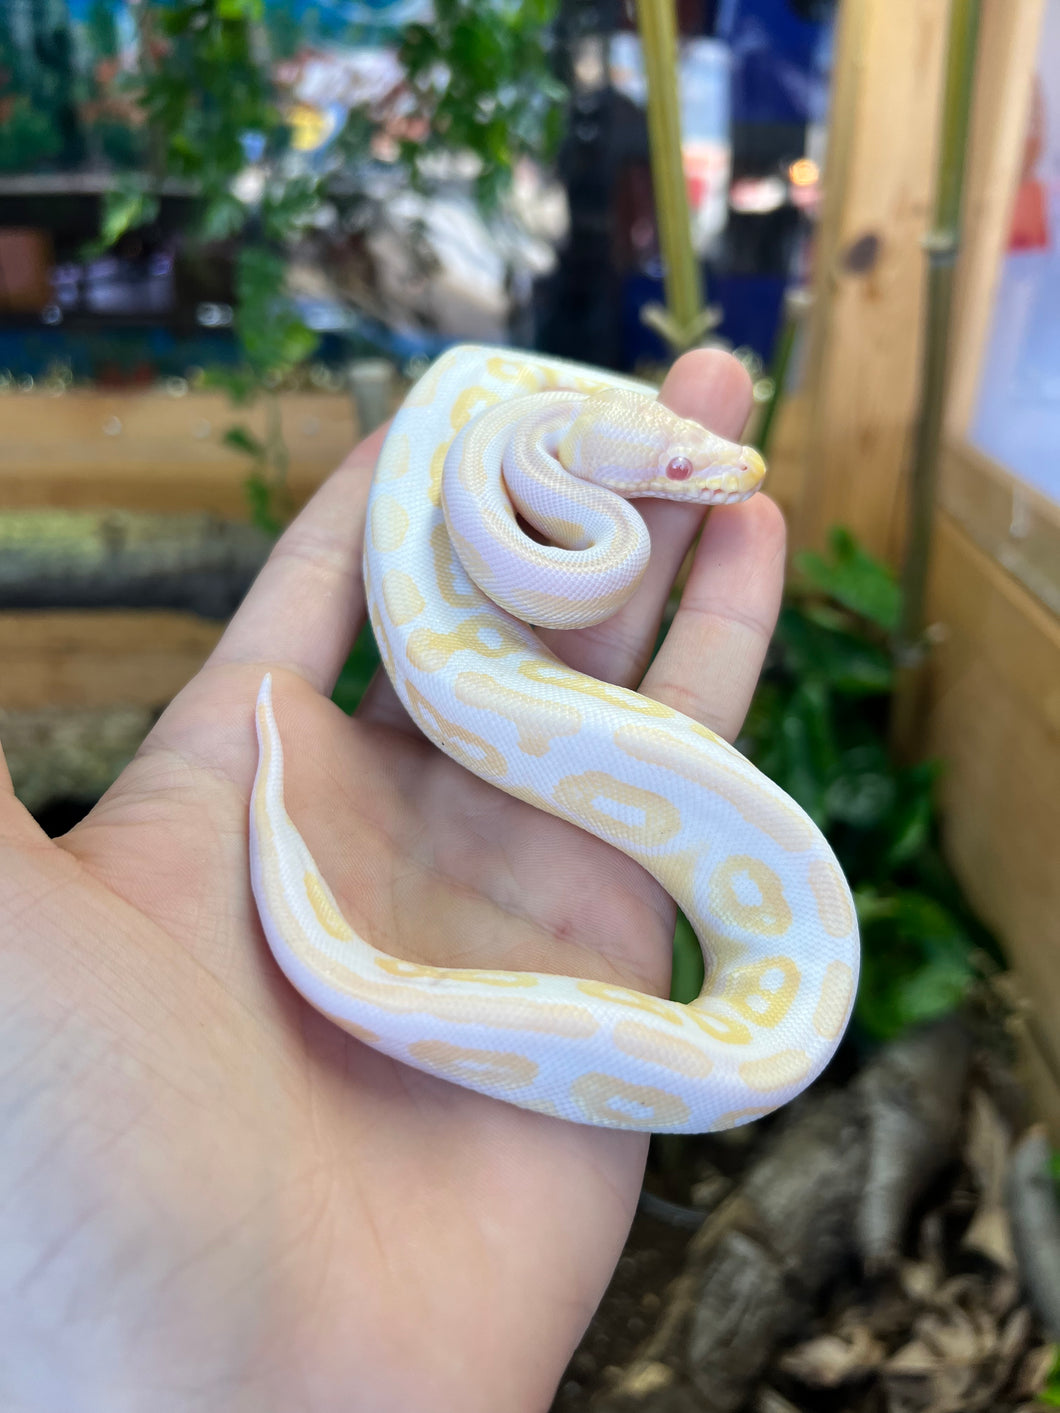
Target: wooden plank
995, 722
865, 327
90, 658
1008, 56
1015, 524
148, 450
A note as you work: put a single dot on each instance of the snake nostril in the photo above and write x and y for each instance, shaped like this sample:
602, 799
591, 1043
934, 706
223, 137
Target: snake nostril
679, 468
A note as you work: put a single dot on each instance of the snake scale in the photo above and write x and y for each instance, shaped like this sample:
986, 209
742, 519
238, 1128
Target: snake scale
487, 442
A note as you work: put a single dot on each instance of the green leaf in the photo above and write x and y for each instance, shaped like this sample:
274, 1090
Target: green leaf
241, 439
123, 210
686, 978
240, 9
1050, 1394
357, 671
916, 960
261, 497
224, 215
841, 659
854, 578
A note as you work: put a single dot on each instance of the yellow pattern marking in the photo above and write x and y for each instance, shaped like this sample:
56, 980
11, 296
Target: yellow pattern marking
496, 1069
635, 1000
763, 992
395, 463
508, 980
604, 1098
445, 571
403, 600
833, 900
659, 820
782, 822
749, 895
554, 674
325, 908
776, 1071
833, 1007
470, 750
727, 1029
735, 1117
468, 402
670, 1051
539, 722
429, 650
389, 524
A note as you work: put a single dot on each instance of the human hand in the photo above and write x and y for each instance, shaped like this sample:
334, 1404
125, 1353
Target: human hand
212, 1198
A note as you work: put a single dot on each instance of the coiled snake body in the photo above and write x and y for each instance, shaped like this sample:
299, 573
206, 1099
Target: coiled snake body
452, 582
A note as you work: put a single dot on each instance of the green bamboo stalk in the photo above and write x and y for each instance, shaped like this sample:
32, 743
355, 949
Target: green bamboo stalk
684, 321
942, 245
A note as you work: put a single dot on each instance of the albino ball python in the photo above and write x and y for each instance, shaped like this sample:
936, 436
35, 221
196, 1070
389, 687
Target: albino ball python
452, 581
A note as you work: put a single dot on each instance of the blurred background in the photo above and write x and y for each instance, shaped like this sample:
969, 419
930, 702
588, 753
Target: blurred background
234, 232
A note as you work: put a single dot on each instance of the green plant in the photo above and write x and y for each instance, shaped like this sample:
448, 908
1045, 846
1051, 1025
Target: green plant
217, 123
482, 82
818, 727
1050, 1394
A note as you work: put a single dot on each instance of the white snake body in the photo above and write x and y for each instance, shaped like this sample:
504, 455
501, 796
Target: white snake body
750, 870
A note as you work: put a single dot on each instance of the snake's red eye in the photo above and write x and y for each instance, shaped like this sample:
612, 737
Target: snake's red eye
679, 468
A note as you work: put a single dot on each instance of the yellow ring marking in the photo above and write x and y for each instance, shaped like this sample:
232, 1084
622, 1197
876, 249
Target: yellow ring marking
606, 1098
578, 794
499, 1069
770, 916
747, 984
470, 750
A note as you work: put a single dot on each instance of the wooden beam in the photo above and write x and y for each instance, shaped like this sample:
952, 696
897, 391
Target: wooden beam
91, 450
101, 657
995, 722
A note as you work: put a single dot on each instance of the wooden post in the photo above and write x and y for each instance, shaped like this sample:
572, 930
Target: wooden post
864, 330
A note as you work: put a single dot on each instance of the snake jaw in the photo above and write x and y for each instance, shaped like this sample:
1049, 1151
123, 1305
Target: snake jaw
712, 480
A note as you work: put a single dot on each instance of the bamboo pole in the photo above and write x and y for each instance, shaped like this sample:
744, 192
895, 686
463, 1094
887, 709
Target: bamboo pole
684, 321
942, 245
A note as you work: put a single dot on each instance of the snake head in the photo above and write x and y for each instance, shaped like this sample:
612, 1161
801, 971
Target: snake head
633, 445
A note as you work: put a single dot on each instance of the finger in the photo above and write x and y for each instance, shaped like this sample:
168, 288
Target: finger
713, 388
307, 605
709, 664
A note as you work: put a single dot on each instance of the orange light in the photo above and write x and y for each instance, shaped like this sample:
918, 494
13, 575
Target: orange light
804, 172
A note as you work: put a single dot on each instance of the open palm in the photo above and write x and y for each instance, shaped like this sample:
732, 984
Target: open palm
210, 1197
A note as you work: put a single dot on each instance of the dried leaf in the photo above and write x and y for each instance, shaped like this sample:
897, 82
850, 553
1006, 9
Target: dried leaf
828, 1361
986, 1152
1034, 1370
